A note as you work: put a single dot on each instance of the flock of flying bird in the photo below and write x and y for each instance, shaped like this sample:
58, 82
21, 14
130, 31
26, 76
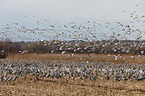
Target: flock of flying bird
13, 70
102, 46
89, 30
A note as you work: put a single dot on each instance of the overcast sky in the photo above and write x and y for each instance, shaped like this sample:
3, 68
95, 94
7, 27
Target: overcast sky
70, 8
61, 10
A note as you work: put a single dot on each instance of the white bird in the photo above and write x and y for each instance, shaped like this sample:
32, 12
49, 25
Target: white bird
72, 55
22, 52
52, 51
63, 52
142, 52
132, 57
109, 55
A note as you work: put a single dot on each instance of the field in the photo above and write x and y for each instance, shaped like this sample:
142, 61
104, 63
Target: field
125, 58
29, 86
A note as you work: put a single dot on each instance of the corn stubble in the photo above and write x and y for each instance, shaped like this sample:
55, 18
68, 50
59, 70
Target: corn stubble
59, 87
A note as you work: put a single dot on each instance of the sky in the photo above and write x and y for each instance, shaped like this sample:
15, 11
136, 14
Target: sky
28, 12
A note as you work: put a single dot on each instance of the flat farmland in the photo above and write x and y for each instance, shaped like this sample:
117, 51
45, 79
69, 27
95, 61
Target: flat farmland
105, 58
66, 86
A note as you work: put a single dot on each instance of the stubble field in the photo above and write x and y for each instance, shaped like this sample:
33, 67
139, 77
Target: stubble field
61, 86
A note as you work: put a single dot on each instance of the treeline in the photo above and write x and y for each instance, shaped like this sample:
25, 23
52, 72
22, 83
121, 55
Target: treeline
74, 46
9, 46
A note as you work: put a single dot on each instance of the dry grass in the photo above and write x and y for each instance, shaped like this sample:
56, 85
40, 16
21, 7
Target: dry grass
54, 87
63, 87
85, 57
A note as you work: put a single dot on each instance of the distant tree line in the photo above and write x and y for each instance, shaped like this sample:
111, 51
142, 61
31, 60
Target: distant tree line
75, 46
10, 47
